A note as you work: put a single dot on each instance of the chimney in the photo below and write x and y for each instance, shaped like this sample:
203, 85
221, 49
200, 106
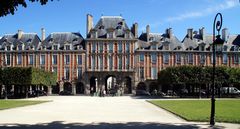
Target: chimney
190, 33
43, 34
148, 31
169, 32
202, 33
89, 23
20, 33
225, 34
134, 30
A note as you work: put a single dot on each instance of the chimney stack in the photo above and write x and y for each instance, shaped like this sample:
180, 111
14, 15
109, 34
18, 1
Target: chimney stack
202, 33
148, 31
190, 33
43, 34
169, 32
225, 34
89, 23
134, 30
20, 33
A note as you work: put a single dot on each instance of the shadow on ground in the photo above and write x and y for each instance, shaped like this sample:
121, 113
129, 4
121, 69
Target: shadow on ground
130, 125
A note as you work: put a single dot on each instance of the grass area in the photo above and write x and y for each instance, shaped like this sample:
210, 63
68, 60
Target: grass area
6, 104
199, 110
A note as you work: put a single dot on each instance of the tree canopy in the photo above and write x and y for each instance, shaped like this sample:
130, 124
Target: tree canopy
10, 6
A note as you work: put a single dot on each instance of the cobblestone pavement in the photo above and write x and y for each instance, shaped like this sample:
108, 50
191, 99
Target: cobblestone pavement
96, 113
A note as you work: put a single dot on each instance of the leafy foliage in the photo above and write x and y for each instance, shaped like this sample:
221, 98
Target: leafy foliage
27, 76
10, 6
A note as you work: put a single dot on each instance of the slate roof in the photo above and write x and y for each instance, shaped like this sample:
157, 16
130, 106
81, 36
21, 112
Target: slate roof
63, 37
117, 23
28, 39
160, 39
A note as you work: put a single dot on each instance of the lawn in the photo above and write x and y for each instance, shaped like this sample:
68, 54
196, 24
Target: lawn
6, 104
199, 110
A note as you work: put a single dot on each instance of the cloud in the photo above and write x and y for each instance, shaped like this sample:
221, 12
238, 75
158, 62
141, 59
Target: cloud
227, 4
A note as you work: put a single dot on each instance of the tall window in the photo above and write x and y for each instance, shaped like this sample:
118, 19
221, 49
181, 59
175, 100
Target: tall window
101, 62
79, 73
236, 59
142, 73
127, 47
190, 58
101, 47
154, 58
8, 48
127, 62
166, 58
93, 62
54, 59
120, 47
8, 59
110, 47
67, 59
110, 62
225, 58
141, 57
42, 60
178, 58
94, 47
120, 62
19, 59
31, 59
154, 73
202, 58
79, 59
66, 73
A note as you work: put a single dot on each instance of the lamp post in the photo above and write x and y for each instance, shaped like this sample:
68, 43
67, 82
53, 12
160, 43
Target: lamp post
217, 44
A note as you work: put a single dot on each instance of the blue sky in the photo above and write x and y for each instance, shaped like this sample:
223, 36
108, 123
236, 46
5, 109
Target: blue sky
70, 15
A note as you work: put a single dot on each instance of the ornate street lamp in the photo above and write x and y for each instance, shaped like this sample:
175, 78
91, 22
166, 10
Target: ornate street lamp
217, 44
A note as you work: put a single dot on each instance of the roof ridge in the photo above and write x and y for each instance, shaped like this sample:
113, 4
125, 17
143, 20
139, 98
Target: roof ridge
111, 17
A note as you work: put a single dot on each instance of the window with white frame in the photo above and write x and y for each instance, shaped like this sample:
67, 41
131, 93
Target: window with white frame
79, 59
31, 60
154, 58
67, 59
236, 58
178, 58
93, 62
111, 47
110, 62
127, 47
225, 58
127, 62
166, 58
8, 59
142, 57
154, 73
120, 47
79, 73
101, 62
67, 47
42, 59
19, 47
142, 73
154, 47
19, 59
202, 58
101, 47
8, 47
54, 59
55, 47
120, 62
190, 58
66, 73
93, 47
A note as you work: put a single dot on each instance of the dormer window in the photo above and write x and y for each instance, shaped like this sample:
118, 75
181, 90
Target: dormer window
29, 40
67, 47
190, 48
74, 40
154, 47
225, 48
9, 48
55, 47
166, 47
50, 40
202, 48
110, 35
20, 47
94, 34
151, 39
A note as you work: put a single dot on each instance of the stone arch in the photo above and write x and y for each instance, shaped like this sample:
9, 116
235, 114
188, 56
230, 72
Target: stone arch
79, 88
110, 83
56, 88
141, 86
153, 86
127, 85
93, 84
67, 86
